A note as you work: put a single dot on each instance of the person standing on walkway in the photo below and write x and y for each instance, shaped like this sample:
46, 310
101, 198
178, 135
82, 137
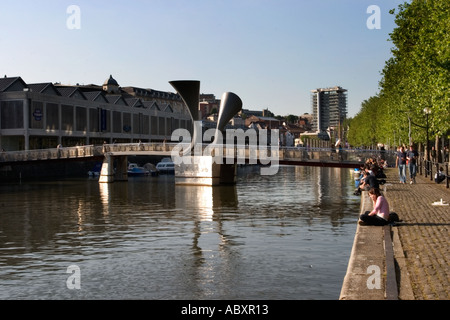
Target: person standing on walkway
400, 163
411, 156
379, 216
433, 154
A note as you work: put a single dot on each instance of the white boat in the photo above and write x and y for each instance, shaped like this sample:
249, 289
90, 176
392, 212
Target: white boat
166, 166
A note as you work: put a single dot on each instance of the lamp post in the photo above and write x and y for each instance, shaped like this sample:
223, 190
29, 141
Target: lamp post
427, 112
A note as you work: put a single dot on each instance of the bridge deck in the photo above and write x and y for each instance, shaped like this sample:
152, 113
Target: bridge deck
285, 155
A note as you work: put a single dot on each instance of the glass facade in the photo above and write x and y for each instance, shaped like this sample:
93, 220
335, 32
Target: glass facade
11, 114
34, 118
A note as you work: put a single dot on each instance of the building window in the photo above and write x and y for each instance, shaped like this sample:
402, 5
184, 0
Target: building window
169, 124
81, 119
104, 118
146, 125
154, 125
52, 116
11, 114
127, 123
37, 115
136, 124
162, 126
93, 120
117, 122
67, 118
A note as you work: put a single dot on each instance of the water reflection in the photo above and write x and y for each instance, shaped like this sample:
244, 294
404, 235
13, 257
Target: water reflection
105, 196
205, 199
148, 238
331, 183
210, 245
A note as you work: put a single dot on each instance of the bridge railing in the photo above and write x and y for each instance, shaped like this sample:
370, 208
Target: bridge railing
50, 154
334, 154
322, 154
237, 151
130, 147
289, 153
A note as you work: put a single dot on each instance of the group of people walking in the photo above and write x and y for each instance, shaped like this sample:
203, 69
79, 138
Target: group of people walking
407, 158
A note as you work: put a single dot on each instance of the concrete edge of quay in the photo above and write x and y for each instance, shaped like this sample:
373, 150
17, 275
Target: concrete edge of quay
375, 262
366, 262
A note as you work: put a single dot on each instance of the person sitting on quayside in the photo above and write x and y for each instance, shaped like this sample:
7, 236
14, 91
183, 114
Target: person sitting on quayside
439, 176
367, 182
370, 181
379, 216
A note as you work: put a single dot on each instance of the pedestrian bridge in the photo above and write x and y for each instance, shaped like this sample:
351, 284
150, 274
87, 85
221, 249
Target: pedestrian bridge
286, 155
115, 155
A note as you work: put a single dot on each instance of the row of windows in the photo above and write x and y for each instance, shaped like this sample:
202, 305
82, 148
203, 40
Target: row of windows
47, 116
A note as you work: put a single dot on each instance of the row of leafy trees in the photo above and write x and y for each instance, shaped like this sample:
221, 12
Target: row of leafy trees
417, 76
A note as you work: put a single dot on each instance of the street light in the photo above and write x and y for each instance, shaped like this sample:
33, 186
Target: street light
428, 167
427, 112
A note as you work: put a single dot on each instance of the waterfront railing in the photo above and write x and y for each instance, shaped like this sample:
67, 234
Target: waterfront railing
236, 151
50, 154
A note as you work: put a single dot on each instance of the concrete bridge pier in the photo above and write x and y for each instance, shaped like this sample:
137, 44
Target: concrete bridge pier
108, 174
203, 171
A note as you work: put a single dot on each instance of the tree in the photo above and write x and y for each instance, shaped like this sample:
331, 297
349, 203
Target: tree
416, 76
364, 127
291, 118
422, 58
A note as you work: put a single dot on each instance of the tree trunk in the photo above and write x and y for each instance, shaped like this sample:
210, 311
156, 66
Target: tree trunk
438, 150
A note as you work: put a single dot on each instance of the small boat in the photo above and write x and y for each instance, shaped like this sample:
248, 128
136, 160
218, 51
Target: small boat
166, 166
95, 172
135, 170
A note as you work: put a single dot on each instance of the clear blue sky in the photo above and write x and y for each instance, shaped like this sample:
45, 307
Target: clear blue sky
269, 52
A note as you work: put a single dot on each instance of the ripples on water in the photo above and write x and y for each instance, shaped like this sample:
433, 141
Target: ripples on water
287, 236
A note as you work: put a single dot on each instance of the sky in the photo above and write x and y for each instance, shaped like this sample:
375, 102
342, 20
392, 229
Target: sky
271, 53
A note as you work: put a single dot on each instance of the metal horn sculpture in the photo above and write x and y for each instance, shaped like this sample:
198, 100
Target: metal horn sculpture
230, 105
189, 90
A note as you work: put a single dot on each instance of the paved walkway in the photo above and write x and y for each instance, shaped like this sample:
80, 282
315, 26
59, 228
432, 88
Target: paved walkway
423, 234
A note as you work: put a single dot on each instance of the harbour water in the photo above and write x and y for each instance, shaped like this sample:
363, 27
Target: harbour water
287, 236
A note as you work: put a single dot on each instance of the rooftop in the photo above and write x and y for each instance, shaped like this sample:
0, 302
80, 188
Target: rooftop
335, 88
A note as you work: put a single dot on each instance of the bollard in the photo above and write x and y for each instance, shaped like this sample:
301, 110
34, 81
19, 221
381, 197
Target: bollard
446, 173
420, 166
431, 171
425, 167
437, 167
